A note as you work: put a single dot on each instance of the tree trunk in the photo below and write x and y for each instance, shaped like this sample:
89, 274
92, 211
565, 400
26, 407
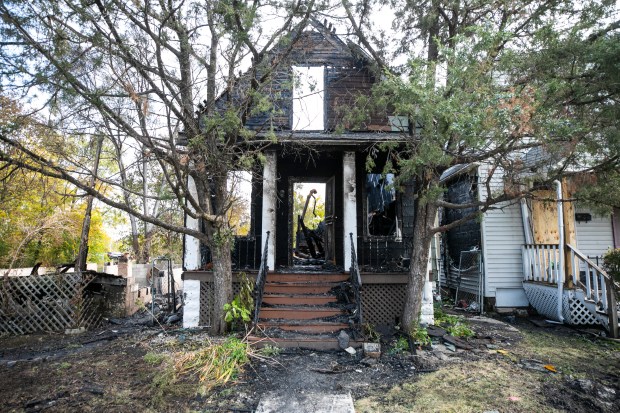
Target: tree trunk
424, 220
80, 261
222, 282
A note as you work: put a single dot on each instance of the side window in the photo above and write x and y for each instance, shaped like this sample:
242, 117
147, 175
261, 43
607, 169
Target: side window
239, 213
308, 98
381, 206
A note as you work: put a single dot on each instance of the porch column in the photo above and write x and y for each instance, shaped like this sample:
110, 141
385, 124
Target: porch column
191, 254
269, 206
349, 211
191, 262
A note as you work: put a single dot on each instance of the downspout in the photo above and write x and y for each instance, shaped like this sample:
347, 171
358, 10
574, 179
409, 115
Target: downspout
560, 273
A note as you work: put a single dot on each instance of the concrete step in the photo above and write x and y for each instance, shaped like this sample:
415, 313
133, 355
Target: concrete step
298, 313
298, 299
307, 277
286, 402
297, 288
307, 327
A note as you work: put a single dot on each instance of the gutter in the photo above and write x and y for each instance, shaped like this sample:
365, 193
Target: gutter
560, 273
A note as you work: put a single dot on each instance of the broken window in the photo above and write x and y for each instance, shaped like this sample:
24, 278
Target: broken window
382, 217
239, 213
308, 94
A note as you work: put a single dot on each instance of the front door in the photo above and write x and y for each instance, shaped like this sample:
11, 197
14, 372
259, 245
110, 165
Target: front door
311, 222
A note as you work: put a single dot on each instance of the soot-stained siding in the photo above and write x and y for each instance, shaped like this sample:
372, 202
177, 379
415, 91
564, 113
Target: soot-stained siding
346, 77
466, 236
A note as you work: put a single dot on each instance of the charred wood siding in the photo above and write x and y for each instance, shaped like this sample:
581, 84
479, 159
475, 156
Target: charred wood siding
346, 77
468, 235
343, 87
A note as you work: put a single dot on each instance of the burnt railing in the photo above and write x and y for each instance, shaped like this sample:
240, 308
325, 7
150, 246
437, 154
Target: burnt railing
259, 287
384, 254
356, 283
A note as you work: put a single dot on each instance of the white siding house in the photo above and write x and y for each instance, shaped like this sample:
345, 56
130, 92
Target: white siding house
594, 237
502, 238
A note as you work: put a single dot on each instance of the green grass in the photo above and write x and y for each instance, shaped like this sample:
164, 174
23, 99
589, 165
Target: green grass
154, 358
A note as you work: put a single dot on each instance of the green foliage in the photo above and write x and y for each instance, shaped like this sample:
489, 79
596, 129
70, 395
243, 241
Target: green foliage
215, 364
400, 346
241, 307
270, 351
154, 358
420, 336
454, 325
371, 333
611, 262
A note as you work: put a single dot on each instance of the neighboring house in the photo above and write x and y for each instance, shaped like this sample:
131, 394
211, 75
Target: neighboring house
368, 225
518, 244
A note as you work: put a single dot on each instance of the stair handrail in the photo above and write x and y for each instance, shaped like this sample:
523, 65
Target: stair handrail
259, 286
599, 287
356, 281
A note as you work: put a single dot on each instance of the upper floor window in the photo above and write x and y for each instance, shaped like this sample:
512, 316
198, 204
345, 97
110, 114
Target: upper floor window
308, 98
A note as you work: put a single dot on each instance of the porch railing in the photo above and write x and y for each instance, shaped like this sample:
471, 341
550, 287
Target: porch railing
599, 287
541, 262
259, 287
356, 282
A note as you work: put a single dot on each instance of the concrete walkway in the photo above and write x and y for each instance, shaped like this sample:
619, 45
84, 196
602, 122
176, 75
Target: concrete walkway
305, 403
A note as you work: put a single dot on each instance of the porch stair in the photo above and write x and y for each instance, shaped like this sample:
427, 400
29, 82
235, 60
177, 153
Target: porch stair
304, 310
590, 299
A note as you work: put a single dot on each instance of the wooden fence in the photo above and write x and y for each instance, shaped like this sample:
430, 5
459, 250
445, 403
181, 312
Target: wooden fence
40, 303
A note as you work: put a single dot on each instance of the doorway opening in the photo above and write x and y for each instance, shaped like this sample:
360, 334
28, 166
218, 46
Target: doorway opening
312, 223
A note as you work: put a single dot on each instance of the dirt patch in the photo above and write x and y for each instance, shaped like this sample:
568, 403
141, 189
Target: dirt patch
131, 369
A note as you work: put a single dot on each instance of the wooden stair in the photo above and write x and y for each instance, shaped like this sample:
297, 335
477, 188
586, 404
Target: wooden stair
302, 310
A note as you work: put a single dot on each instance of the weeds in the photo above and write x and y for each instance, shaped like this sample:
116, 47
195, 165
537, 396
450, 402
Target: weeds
240, 309
216, 364
153, 358
400, 346
270, 351
420, 336
454, 325
371, 333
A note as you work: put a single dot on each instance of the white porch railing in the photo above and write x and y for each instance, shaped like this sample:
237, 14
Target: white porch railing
541, 262
592, 278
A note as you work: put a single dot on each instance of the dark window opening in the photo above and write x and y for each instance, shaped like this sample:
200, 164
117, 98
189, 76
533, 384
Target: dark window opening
382, 214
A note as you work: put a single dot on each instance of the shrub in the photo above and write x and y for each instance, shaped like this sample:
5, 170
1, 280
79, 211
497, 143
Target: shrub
611, 263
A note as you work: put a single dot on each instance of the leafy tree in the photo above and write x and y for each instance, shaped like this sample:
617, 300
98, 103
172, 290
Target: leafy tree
133, 72
496, 80
40, 217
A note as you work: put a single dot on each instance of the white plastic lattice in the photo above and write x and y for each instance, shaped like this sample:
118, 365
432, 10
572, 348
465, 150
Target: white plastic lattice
543, 298
580, 314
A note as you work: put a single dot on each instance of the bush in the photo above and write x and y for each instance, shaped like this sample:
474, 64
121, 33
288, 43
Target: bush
611, 263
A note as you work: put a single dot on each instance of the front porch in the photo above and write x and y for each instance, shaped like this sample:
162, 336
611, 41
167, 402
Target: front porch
566, 286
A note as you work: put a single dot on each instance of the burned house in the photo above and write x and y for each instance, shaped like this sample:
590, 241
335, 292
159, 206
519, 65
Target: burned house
367, 225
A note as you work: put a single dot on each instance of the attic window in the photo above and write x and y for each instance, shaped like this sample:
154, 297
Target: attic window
308, 98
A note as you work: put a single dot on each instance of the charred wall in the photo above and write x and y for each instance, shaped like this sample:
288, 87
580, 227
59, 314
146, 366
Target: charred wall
467, 235
346, 77
384, 253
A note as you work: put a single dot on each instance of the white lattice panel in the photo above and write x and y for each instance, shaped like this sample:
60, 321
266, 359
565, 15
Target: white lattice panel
575, 310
